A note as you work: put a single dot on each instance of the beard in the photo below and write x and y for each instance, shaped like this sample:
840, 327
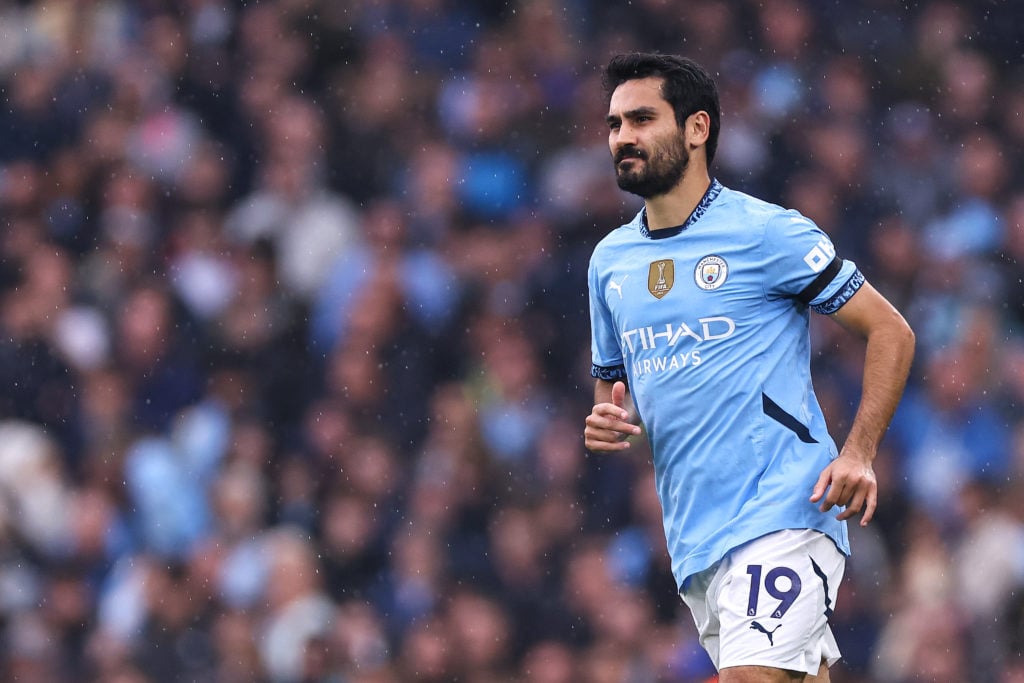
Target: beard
662, 170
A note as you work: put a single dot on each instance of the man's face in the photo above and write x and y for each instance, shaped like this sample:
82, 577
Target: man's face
646, 143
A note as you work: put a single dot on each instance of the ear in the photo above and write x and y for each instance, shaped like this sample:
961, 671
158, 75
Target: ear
698, 127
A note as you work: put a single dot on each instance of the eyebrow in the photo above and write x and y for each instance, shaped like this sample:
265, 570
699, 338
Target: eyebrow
631, 114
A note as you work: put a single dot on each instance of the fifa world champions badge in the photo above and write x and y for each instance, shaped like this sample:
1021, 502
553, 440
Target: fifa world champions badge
660, 277
711, 272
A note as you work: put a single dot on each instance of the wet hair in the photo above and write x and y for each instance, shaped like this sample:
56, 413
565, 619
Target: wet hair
687, 86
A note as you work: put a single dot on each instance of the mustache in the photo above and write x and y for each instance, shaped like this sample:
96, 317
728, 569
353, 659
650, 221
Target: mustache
628, 152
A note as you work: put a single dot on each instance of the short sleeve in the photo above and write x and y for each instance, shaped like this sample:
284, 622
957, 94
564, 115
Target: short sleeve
606, 353
802, 264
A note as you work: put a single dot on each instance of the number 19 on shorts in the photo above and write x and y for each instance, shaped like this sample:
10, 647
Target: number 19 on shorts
780, 583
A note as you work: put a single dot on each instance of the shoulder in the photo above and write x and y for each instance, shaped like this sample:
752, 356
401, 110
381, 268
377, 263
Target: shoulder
751, 208
755, 214
617, 238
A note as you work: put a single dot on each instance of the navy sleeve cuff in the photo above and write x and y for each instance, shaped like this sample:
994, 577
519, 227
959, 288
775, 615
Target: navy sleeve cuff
836, 301
608, 374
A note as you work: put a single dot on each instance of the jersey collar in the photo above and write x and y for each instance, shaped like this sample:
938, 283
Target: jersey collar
702, 206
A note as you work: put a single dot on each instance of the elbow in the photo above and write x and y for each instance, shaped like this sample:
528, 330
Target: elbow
907, 338
893, 332
907, 332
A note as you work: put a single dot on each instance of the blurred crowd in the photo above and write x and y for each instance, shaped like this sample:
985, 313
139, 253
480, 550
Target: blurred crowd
295, 345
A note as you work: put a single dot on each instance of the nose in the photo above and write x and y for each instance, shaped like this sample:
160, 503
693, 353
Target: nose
625, 134
624, 138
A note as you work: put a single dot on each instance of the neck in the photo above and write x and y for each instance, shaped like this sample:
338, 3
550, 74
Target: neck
674, 208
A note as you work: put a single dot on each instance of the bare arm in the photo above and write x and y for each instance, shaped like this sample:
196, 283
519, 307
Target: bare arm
611, 421
850, 479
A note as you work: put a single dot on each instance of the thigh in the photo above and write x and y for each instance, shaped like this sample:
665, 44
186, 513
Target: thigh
773, 604
764, 674
822, 676
758, 674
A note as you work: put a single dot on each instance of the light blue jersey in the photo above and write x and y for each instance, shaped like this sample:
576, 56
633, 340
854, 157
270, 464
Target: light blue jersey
708, 323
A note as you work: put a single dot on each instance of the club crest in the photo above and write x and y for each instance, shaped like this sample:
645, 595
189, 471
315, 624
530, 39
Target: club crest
660, 277
711, 272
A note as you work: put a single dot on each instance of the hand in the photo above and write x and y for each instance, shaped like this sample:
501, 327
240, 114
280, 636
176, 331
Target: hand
850, 481
610, 424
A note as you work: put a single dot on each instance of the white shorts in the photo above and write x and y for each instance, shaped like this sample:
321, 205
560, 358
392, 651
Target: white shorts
767, 603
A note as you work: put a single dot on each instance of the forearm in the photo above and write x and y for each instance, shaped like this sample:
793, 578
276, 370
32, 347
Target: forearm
889, 353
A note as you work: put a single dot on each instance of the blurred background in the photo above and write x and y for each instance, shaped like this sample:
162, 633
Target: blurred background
294, 343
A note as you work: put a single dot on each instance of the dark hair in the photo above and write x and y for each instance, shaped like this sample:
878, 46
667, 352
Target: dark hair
687, 86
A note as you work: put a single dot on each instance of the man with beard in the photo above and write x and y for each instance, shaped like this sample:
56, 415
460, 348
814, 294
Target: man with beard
700, 332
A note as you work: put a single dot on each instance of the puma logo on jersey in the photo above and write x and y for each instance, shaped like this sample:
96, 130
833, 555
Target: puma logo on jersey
617, 286
757, 627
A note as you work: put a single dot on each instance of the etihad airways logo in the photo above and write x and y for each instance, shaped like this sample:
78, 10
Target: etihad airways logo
667, 336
